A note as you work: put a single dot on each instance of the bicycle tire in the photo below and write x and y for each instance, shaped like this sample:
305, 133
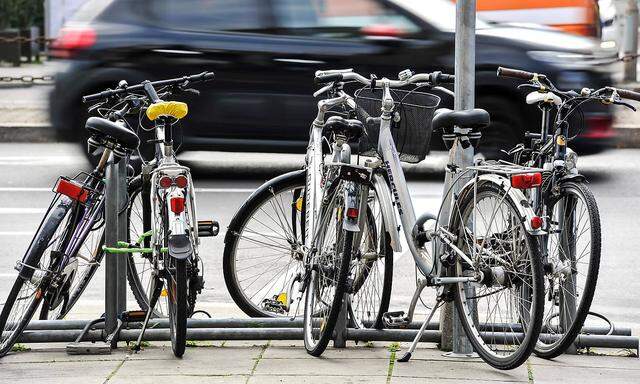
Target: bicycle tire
313, 347
240, 221
531, 319
178, 307
581, 191
33, 256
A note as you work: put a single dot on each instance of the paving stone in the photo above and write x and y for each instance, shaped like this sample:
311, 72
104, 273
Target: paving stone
182, 379
56, 371
587, 361
315, 379
580, 375
323, 365
351, 352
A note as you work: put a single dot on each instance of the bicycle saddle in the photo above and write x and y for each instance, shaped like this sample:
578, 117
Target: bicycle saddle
175, 109
469, 118
116, 132
352, 128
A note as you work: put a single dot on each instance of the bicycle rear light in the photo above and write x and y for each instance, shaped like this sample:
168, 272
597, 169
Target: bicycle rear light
536, 222
165, 182
352, 213
177, 204
181, 181
526, 180
72, 190
71, 40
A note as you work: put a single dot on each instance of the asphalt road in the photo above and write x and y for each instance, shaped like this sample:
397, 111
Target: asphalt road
29, 170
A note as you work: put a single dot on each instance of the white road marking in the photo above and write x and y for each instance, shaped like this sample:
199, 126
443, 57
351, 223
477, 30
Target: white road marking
24, 189
17, 233
18, 210
33, 160
199, 190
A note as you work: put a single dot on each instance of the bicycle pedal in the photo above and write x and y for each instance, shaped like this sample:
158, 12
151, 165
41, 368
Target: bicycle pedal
208, 228
133, 316
395, 319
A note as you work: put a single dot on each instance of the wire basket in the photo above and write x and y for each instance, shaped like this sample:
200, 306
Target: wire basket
411, 132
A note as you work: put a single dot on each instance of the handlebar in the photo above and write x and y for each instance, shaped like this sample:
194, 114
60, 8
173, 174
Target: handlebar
348, 75
145, 85
627, 94
517, 74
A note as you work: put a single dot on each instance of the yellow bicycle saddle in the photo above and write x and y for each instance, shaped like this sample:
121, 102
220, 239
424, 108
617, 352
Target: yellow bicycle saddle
175, 109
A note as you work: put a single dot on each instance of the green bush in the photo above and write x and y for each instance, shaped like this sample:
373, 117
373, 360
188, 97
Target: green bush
21, 13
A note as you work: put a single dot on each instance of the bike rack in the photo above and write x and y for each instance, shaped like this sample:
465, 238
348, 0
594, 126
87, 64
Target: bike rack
101, 335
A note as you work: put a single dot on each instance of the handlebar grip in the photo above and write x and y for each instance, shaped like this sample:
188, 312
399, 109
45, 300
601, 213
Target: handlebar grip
208, 76
627, 94
443, 78
515, 73
323, 79
98, 96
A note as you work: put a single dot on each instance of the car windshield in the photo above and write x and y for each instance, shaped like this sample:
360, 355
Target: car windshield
439, 13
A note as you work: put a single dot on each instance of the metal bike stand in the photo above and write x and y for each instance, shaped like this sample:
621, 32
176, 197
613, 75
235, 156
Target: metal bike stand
115, 266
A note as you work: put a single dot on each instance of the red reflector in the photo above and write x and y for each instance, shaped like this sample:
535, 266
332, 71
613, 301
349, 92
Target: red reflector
352, 212
177, 204
72, 190
526, 180
165, 182
536, 222
381, 30
181, 181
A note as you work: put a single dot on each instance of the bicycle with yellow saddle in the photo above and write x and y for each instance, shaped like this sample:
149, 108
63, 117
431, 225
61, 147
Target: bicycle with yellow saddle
68, 246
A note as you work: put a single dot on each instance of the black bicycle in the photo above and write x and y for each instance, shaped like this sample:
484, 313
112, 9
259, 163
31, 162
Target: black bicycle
571, 247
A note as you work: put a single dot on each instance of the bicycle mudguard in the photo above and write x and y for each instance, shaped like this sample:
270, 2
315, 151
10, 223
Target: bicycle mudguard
388, 215
180, 246
522, 204
52, 219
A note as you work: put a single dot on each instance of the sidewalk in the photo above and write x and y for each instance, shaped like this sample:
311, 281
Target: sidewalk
287, 362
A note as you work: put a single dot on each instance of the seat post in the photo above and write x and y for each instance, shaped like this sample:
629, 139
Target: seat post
103, 160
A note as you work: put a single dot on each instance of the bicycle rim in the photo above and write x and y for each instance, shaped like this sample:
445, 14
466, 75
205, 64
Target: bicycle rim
574, 246
501, 315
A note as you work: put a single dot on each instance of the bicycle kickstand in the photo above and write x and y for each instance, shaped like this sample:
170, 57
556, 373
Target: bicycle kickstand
414, 344
157, 290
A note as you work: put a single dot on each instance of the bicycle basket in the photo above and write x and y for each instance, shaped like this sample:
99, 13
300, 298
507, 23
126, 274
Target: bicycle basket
412, 133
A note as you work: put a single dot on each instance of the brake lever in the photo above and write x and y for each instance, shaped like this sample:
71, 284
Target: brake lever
323, 90
631, 107
531, 86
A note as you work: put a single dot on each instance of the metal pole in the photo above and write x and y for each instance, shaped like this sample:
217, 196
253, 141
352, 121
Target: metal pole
454, 337
111, 238
631, 41
121, 259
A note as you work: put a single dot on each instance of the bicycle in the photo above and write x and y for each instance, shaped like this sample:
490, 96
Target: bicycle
54, 271
172, 233
265, 243
571, 247
487, 247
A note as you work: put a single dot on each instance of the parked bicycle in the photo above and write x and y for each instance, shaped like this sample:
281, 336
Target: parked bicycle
571, 244
168, 245
490, 259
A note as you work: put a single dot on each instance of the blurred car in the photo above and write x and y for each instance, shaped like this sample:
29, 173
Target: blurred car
264, 54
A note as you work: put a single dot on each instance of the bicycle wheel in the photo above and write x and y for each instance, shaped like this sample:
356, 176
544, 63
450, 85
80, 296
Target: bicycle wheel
501, 314
84, 264
262, 261
573, 260
327, 284
176, 283
34, 279
371, 270
139, 265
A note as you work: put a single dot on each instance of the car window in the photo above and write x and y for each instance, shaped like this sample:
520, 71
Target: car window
210, 15
340, 18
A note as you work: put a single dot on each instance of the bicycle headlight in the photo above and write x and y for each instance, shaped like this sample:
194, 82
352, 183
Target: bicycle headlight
571, 160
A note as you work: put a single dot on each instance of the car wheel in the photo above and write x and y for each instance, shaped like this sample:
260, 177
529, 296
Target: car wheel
505, 131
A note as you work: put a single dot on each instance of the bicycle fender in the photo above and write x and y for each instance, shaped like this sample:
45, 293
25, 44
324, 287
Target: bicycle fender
180, 246
572, 177
351, 202
384, 194
525, 210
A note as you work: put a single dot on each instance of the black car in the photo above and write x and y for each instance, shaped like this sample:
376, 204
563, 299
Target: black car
264, 54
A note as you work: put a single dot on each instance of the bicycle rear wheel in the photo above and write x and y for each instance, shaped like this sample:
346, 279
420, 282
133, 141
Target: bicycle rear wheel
35, 275
501, 314
573, 246
328, 281
176, 283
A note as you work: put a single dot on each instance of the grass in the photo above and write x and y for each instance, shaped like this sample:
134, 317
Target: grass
393, 348
17, 347
143, 344
530, 372
255, 365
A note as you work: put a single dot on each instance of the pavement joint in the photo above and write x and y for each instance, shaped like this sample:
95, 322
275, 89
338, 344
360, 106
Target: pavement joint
258, 359
116, 369
530, 371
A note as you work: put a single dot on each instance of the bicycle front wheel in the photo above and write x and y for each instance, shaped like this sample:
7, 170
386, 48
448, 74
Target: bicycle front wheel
501, 314
328, 281
573, 246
